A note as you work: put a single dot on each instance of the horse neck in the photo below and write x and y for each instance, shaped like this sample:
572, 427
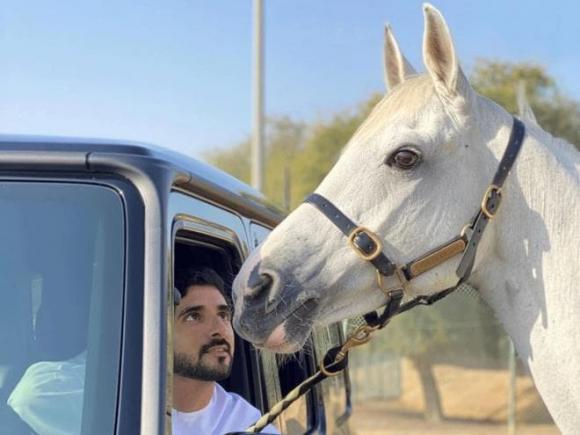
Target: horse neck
530, 274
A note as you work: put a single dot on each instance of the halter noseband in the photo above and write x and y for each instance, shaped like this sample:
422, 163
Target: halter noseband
369, 247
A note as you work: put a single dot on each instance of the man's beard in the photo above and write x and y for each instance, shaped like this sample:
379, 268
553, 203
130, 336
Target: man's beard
183, 365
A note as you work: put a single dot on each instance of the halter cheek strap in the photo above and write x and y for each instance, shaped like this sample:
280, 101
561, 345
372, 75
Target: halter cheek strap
492, 199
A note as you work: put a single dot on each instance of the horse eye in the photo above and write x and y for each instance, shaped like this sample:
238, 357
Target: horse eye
404, 158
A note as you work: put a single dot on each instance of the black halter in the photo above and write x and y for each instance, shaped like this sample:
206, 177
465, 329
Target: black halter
369, 246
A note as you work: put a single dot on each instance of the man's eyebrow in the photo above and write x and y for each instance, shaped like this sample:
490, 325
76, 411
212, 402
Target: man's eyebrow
198, 308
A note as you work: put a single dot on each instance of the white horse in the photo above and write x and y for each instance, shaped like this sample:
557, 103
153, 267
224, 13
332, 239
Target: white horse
414, 173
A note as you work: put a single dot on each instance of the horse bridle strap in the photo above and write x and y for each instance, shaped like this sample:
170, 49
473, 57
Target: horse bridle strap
491, 199
369, 246
364, 242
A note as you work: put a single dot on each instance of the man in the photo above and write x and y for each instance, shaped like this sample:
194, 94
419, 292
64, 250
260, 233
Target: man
203, 355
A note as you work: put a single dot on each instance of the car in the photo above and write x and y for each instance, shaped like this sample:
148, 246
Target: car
91, 232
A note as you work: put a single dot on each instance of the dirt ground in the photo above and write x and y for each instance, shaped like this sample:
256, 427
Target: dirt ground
376, 417
474, 401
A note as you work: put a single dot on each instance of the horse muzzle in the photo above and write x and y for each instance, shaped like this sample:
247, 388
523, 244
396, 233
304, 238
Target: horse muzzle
272, 311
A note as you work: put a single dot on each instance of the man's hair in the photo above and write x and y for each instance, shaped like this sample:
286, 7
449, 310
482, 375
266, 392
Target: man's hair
186, 278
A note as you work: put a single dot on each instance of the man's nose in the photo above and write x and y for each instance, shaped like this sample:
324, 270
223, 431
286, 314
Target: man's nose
220, 326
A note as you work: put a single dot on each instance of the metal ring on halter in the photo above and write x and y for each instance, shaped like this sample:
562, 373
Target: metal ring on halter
465, 228
486, 197
378, 244
399, 275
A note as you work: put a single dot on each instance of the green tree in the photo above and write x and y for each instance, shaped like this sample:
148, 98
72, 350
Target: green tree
284, 139
234, 160
285, 142
555, 112
458, 330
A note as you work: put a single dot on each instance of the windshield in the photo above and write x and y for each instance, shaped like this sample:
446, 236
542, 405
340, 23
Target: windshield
61, 289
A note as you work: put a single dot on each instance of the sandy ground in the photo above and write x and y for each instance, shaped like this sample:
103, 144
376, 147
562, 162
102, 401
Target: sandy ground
376, 417
474, 401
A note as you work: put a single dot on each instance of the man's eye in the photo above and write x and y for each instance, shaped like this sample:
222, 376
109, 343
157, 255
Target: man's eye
404, 158
192, 317
226, 315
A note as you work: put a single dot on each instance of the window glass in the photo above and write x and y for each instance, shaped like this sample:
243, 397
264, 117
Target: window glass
61, 289
205, 218
258, 234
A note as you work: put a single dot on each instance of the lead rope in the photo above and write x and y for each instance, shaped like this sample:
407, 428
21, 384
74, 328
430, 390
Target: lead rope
335, 360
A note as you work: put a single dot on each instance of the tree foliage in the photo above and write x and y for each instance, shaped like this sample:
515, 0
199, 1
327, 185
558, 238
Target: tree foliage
303, 152
555, 112
285, 139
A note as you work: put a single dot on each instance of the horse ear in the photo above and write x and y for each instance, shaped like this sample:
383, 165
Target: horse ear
524, 108
439, 55
397, 67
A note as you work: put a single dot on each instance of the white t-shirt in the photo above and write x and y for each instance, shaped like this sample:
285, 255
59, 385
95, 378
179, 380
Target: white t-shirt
225, 412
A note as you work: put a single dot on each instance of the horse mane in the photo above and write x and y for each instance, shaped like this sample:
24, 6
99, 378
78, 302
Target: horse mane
563, 151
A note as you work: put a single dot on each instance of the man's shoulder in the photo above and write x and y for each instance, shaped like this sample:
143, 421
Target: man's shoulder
233, 400
239, 409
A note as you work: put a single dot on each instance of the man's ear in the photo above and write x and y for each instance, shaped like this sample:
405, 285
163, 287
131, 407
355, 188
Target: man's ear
176, 296
396, 66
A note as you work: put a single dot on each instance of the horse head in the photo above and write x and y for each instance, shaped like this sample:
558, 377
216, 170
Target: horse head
414, 173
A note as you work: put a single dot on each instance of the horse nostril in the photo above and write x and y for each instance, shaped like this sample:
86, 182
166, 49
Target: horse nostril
258, 283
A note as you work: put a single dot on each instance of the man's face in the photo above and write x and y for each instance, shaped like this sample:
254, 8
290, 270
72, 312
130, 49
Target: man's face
204, 338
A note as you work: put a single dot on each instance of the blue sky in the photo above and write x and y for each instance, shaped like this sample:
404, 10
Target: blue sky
177, 73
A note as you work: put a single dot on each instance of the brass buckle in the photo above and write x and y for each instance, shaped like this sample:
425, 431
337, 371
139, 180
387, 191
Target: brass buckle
484, 209
402, 282
374, 238
360, 336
